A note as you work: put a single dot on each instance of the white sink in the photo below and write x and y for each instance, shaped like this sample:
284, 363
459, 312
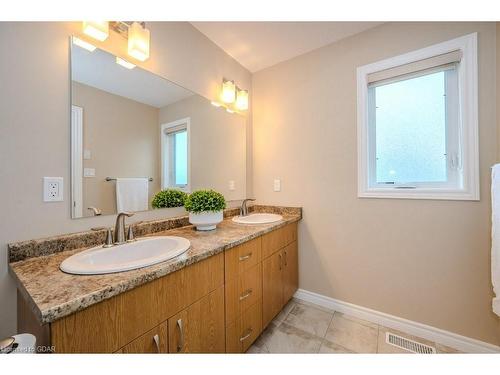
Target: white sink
257, 219
141, 253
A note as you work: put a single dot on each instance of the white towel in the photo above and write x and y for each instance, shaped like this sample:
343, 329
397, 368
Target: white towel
131, 194
495, 236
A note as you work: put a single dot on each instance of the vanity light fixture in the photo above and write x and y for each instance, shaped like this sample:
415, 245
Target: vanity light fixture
124, 63
83, 44
228, 91
242, 99
96, 29
138, 41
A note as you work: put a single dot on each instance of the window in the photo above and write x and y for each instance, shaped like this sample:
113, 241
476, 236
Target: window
175, 154
417, 124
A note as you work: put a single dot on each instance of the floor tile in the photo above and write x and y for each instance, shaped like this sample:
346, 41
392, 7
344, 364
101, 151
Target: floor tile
357, 320
254, 350
352, 335
309, 319
302, 302
328, 347
383, 347
284, 312
288, 339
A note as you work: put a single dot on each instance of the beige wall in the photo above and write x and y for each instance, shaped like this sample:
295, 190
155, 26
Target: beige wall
34, 123
214, 159
427, 261
122, 136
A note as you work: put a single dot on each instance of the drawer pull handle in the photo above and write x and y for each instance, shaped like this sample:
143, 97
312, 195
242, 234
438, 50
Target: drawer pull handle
156, 339
243, 338
280, 261
180, 345
245, 257
286, 259
246, 294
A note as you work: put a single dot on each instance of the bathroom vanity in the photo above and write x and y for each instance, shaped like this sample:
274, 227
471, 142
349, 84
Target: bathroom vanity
215, 298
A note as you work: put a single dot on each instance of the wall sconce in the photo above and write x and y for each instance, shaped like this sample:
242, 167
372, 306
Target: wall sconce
96, 29
83, 44
124, 63
228, 94
138, 41
242, 99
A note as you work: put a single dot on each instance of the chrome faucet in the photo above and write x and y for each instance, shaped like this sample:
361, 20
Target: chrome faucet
95, 211
244, 208
120, 227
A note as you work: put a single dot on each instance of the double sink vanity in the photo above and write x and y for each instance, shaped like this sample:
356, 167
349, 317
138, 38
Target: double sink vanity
172, 290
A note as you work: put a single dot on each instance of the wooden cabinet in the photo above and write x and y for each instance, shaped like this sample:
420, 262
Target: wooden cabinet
153, 341
220, 304
279, 271
290, 271
244, 330
272, 287
200, 327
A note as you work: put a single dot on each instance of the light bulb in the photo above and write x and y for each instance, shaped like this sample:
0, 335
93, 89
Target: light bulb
228, 94
138, 42
242, 100
96, 29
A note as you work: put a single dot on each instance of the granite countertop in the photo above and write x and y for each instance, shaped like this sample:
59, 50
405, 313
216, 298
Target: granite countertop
53, 294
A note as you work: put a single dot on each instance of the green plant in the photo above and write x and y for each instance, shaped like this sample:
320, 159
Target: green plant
205, 200
169, 198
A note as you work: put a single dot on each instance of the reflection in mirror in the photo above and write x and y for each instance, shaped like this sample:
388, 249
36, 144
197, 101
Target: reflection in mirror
134, 133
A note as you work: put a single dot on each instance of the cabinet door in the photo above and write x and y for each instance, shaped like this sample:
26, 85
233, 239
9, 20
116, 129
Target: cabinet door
272, 287
153, 341
290, 271
200, 327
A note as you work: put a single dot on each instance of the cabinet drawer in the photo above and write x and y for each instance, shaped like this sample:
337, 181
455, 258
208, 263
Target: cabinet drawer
243, 292
154, 341
241, 333
276, 240
241, 258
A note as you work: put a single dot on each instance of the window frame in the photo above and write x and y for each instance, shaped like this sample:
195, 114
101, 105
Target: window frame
467, 75
165, 130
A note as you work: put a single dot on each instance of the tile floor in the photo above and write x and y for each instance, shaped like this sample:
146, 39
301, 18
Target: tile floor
305, 328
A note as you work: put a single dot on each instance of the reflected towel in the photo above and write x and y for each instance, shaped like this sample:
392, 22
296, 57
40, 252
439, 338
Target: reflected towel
131, 194
495, 236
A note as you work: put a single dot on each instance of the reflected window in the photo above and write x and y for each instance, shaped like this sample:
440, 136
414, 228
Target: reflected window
175, 158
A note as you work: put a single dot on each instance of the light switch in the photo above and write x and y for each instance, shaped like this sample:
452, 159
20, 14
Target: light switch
53, 189
88, 172
277, 184
232, 185
87, 155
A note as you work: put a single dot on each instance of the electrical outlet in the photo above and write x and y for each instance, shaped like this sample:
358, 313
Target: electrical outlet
232, 185
53, 189
277, 185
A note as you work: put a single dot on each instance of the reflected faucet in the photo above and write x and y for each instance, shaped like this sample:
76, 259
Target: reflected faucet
120, 227
95, 211
244, 208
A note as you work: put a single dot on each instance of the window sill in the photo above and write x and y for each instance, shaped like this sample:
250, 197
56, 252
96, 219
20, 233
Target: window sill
436, 194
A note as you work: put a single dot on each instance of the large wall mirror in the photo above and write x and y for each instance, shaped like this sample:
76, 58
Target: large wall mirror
134, 133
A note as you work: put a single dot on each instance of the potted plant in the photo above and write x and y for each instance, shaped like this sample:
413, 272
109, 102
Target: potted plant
205, 208
169, 198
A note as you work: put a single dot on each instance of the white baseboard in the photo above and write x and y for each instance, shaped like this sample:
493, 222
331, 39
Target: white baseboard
462, 343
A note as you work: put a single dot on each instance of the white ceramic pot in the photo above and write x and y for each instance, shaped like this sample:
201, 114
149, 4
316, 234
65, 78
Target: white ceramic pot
206, 220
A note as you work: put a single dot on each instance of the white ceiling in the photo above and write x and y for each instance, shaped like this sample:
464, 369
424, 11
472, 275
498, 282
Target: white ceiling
258, 45
100, 70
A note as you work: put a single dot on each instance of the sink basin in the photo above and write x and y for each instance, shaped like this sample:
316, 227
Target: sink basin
257, 219
141, 253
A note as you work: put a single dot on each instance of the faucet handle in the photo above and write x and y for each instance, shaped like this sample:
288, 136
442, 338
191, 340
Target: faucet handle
109, 239
130, 234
